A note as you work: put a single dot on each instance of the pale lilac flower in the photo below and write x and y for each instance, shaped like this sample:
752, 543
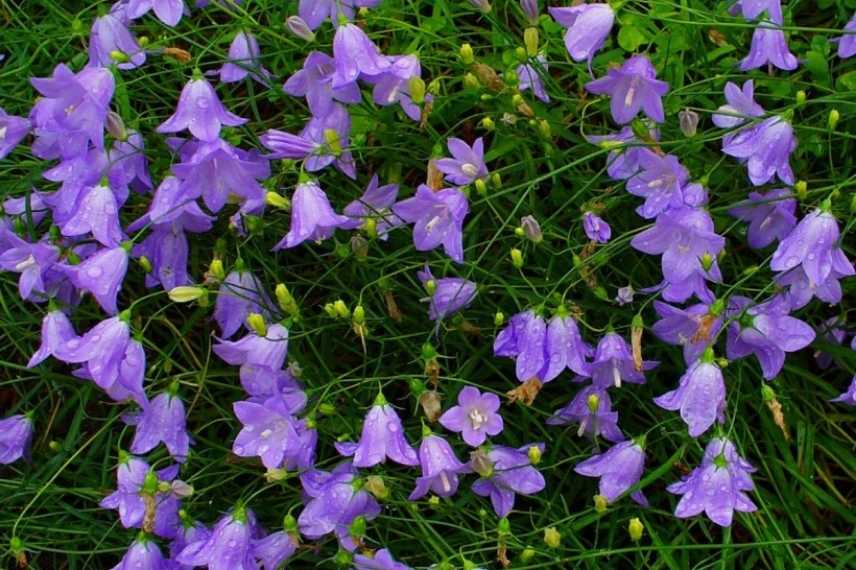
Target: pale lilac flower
529, 77
801, 289
393, 85
451, 295
596, 228
688, 121
438, 218
613, 363
314, 12
381, 560
166, 249
813, 246
97, 213
244, 56
700, 396
35, 262
766, 148
440, 468
299, 28
355, 55
740, 107
110, 34
200, 111
511, 474
269, 350
619, 468
12, 131
312, 216
467, 166
101, 275
661, 181
167, 11
632, 88
16, 434
625, 295
767, 331
315, 82
161, 420
375, 204
241, 293
275, 548
267, 433
475, 417
127, 163
847, 43
588, 26
57, 331
694, 328
228, 547
769, 46
134, 479
770, 216
717, 486
144, 554
591, 407
627, 152
753, 9
382, 437
530, 10
848, 396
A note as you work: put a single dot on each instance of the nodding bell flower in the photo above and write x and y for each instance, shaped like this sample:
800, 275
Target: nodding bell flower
700, 395
382, 437
632, 88
200, 111
440, 468
591, 407
16, 434
619, 468
512, 474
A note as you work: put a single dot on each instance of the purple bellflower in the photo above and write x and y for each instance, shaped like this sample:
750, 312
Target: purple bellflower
110, 34
244, 55
315, 81
596, 228
847, 397
766, 148
269, 350
700, 395
241, 293
34, 261
312, 216
355, 55
314, 12
632, 88
475, 417
740, 107
200, 111
591, 407
269, 433
468, 164
440, 468
588, 26
619, 468
393, 85
16, 434
451, 295
127, 163
847, 43
626, 152
380, 560
382, 437
57, 331
144, 554
102, 275
276, 548
753, 9
717, 486
613, 363
769, 46
161, 420
438, 219
505, 473
228, 547
767, 331
12, 131
373, 207
167, 11
661, 181
770, 216
694, 328
528, 77
801, 288
97, 213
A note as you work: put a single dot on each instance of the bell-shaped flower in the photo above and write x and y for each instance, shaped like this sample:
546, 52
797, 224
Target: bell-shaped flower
661, 181
700, 395
626, 151
267, 433
16, 434
770, 216
315, 12
475, 417
241, 293
769, 46
354, 55
12, 131
200, 111
378, 560
740, 107
374, 207
57, 331
754, 9
587, 27
315, 82
109, 35
766, 149
694, 328
382, 437
632, 88
35, 262
393, 85
267, 350
312, 216
144, 554
848, 396
98, 214
276, 548
596, 228
244, 56
846, 44
167, 11
440, 468
229, 546
591, 408
619, 468
161, 420
506, 472
529, 77
438, 219
450, 295
613, 363
102, 275
467, 164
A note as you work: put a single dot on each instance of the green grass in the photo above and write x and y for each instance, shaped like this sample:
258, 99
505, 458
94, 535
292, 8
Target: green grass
805, 491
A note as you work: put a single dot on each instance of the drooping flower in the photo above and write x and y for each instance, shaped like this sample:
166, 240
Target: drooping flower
769, 46
12, 131
314, 12
379, 560
312, 216
244, 56
813, 246
847, 397
613, 363
700, 396
801, 289
529, 77
619, 468
766, 148
268, 433
56, 334
717, 486
588, 26
591, 407
144, 554
632, 88
440, 468
373, 209
626, 151
475, 417
382, 437
36, 262
161, 420
354, 55
16, 434
200, 111
315, 82
438, 219
451, 294
267, 350
241, 293
276, 548
110, 34
596, 228
167, 11
770, 216
393, 85
694, 328
740, 108
228, 547
767, 331
753, 9
102, 275
468, 164
847, 43
506, 472
97, 213
661, 181
625, 295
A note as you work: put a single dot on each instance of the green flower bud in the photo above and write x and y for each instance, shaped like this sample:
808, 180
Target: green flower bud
801, 189
417, 90
534, 453
359, 315
376, 486
520, 54
357, 527
516, 258
330, 309
834, 117
277, 200
503, 527
600, 503
496, 180
186, 293
527, 555
552, 537
466, 53
498, 319
257, 323
531, 40
801, 97
471, 81
216, 270
487, 124
342, 310
635, 528
481, 187
145, 263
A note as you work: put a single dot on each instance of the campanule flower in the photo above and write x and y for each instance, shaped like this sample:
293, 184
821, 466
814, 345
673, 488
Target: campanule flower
97, 213
312, 216
591, 407
766, 148
619, 468
314, 82
451, 295
510, 473
393, 85
12, 131
382, 437
753, 9
375, 204
143, 554
694, 328
596, 229
631, 88
200, 111
276, 548
244, 56
438, 219
440, 468
241, 293
36, 263
848, 396
847, 43
613, 363
813, 246
740, 107
475, 417
110, 34
769, 46
102, 275
314, 12
468, 164
229, 546
661, 181
57, 331
625, 158
16, 434
161, 420
700, 396
379, 560
267, 350
770, 216
355, 55
268, 433
529, 77
588, 26
136, 484
167, 11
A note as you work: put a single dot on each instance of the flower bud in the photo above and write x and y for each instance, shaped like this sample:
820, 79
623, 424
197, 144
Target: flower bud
299, 28
417, 90
481, 186
530, 10
186, 293
481, 463
531, 229
431, 286
118, 56
145, 264
487, 124
471, 81
527, 555
256, 322
801, 98
376, 486
706, 261
466, 53
482, 6
503, 527
178, 54
635, 528
600, 503
516, 258
331, 137
116, 126
498, 319
359, 315
801, 189
531, 40
330, 309
343, 558
54, 445
428, 352
518, 231
552, 537
285, 299
357, 528
688, 121
833, 119
277, 200
359, 247
216, 270
534, 453
180, 489
342, 310
496, 180
593, 401
544, 129
431, 404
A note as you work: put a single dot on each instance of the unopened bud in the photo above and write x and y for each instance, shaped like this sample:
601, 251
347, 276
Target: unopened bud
417, 90
600, 503
530, 10
531, 40
277, 200
593, 401
330, 309
376, 486
471, 81
299, 28
341, 308
256, 322
706, 261
503, 527
284, 298
552, 537
180, 489
499, 319
481, 463
54, 445
216, 270
688, 121
118, 56
534, 453
145, 263
544, 129
359, 315
116, 126
531, 229
359, 247
527, 555
466, 53
343, 558
431, 286
331, 137
431, 404
496, 180
833, 119
635, 528
481, 186
186, 293
801, 189
801, 98
488, 124
516, 258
